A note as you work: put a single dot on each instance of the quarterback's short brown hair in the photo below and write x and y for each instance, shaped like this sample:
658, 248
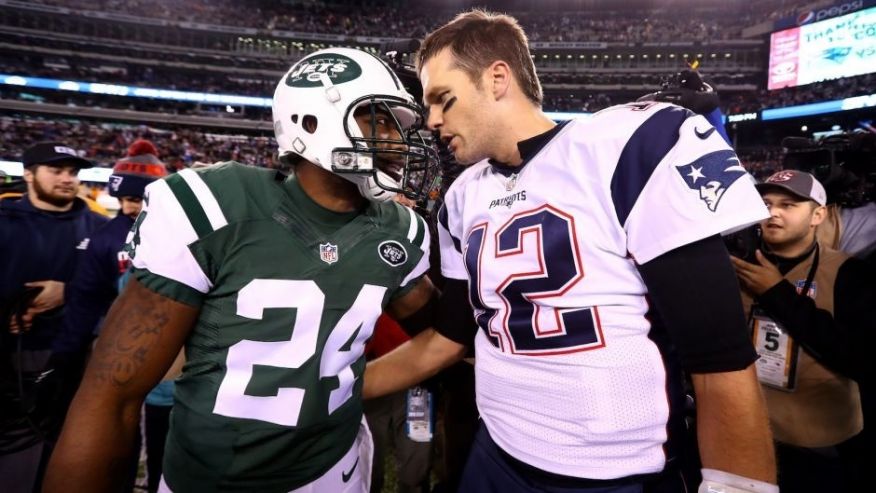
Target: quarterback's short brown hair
478, 38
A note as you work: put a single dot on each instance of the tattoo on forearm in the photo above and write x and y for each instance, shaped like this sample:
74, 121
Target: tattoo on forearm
132, 328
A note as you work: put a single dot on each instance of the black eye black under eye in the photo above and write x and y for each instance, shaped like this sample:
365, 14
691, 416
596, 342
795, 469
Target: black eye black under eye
448, 104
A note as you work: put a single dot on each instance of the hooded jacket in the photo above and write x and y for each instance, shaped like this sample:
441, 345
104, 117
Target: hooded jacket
39, 245
94, 285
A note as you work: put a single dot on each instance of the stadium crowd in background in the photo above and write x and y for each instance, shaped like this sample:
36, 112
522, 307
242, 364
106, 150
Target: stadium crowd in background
553, 25
585, 96
102, 143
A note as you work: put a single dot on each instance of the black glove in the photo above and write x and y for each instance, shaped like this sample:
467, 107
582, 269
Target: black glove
687, 90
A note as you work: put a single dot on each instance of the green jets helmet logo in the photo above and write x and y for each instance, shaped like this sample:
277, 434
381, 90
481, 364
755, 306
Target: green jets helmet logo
338, 68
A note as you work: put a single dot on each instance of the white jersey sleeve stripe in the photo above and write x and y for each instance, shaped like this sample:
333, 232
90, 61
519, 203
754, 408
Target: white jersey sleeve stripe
206, 198
160, 243
412, 229
423, 265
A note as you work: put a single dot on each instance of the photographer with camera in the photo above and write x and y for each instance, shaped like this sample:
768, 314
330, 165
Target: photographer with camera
812, 311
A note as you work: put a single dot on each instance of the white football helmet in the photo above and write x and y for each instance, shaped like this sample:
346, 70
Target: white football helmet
314, 109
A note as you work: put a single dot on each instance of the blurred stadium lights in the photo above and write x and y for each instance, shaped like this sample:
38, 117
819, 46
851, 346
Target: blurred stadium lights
94, 175
132, 91
230, 100
847, 104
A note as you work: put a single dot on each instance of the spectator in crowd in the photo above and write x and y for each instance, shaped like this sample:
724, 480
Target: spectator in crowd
42, 237
558, 352
813, 318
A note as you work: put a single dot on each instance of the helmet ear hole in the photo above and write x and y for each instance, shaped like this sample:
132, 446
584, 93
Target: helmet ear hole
295, 118
309, 122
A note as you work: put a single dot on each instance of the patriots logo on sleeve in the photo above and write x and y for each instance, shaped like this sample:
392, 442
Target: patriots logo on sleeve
712, 174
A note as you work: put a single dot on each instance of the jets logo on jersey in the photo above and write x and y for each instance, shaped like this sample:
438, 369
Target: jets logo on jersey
712, 175
328, 253
393, 253
308, 72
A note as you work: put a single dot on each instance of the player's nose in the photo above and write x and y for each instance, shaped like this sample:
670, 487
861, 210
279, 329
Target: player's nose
435, 119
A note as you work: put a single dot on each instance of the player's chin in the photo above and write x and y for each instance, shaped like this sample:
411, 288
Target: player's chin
465, 158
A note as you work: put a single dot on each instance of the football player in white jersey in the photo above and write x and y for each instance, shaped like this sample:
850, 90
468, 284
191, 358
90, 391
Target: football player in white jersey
569, 241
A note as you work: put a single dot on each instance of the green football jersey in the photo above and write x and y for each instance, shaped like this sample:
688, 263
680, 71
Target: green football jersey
289, 292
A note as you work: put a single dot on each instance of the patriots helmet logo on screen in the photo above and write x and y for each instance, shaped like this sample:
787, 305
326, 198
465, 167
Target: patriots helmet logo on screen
712, 175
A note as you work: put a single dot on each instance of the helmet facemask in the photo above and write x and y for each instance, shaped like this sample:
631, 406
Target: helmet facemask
392, 152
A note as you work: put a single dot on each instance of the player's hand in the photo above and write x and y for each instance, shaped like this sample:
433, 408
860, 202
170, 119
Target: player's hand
50, 297
757, 278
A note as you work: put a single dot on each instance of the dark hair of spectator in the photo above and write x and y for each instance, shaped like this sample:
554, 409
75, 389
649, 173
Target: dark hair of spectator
478, 38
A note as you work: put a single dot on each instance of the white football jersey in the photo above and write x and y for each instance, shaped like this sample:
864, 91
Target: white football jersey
567, 379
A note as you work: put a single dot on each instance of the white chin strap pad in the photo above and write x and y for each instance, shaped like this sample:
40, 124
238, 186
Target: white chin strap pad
371, 191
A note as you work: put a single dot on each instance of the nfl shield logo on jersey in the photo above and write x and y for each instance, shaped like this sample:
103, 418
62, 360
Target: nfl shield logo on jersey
328, 253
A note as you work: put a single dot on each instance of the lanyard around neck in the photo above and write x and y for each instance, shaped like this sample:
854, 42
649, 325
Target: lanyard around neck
811, 276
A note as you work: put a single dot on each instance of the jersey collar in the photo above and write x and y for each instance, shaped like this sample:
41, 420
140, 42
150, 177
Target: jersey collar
528, 149
311, 209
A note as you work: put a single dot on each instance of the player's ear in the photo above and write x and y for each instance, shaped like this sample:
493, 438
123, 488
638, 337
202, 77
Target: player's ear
499, 78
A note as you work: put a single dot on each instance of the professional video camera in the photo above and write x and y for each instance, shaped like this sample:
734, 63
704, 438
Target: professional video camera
844, 163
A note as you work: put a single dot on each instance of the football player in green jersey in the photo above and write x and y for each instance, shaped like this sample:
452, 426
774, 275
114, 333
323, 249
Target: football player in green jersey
273, 286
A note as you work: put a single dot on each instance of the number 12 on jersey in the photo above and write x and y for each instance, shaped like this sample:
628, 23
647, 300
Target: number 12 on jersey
541, 272
335, 360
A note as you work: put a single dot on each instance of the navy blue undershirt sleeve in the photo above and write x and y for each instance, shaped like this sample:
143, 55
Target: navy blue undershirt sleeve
455, 319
